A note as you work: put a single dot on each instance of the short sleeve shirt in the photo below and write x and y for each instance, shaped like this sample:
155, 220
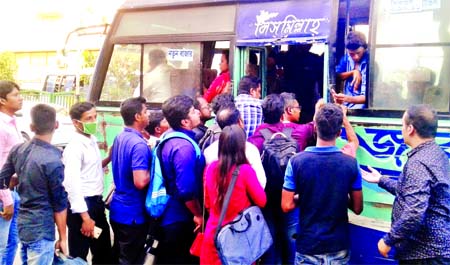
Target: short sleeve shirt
130, 152
323, 177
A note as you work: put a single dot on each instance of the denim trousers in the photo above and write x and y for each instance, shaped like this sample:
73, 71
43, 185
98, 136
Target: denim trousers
283, 227
9, 234
39, 252
430, 261
335, 258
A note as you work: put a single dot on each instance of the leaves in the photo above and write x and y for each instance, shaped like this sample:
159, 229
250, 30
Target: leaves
8, 66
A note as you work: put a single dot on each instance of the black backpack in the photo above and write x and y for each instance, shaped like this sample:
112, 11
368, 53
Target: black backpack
278, 148
211, 135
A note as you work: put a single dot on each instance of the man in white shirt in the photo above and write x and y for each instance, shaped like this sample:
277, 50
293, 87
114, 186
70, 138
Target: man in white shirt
226, 116
84, 184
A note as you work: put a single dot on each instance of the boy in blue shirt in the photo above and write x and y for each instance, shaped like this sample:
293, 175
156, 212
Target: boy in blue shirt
327, 182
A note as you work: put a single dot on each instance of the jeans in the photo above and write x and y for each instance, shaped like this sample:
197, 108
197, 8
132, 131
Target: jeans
4, 231
336, 258
129, 241
283, 227
39, 252
9, 234
431, 261
290, 223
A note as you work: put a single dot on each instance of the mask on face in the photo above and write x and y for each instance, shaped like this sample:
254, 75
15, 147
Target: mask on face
89, 127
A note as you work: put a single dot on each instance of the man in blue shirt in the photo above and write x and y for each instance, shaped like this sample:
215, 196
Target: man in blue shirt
130, 158
327, 183
420, 229
353, 68
183, 175
43, 200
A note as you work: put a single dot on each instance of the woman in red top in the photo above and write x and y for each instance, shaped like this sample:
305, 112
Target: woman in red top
221, 84
218, 176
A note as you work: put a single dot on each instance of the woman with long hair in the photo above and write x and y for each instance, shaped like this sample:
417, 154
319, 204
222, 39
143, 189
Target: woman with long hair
247, 190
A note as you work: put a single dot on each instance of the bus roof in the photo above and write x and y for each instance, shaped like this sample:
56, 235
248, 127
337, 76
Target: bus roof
136, 4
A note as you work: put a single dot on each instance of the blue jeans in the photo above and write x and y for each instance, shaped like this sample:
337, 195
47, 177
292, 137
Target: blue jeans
9, 234
39, 252
336, 258
4, 232
283, 227
290, 222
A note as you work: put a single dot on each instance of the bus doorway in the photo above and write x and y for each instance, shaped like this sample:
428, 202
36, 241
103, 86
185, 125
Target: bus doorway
296, 69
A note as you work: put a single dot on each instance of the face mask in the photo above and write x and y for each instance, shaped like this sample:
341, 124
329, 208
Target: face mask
89, 127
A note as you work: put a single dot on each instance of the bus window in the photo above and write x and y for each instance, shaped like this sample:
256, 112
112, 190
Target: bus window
412, 67
123, 73
216, 63
218, 48
171, 69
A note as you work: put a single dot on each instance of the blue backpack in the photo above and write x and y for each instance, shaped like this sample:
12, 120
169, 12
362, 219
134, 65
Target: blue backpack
157, 197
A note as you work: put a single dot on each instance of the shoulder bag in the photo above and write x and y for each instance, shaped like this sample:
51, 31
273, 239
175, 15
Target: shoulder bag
246, 238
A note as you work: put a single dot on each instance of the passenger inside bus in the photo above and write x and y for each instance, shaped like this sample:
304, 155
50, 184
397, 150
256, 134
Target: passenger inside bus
296, 71
252, 68
353, 70
157, 77
222, 83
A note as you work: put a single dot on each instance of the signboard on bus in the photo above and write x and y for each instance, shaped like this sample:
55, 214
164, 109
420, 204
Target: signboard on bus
285, 22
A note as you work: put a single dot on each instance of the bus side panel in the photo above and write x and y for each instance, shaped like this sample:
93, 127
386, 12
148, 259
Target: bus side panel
111, 125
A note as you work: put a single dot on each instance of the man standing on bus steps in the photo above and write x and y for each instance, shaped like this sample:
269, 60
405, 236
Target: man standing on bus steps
354, 69
10, 102
420, 229
83, 180
248, 103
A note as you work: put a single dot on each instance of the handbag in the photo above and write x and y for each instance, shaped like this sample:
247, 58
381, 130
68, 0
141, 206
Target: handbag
246, 238
196, 247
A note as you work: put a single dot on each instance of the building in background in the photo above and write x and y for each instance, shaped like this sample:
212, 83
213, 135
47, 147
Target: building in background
37, 34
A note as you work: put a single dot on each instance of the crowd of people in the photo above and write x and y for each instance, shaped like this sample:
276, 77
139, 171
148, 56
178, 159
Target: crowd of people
307, 215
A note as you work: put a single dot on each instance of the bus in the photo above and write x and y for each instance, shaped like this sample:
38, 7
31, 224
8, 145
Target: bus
294, 47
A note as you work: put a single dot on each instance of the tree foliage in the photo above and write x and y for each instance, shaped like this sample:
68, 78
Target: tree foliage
8, 66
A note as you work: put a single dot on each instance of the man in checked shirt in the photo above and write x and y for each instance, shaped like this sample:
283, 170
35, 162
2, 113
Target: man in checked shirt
420, 229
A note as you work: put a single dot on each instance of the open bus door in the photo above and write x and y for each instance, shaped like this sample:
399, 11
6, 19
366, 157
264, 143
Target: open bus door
296, 42
250, 61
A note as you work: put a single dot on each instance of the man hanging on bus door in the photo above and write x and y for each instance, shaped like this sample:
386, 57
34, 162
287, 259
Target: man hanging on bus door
353, 68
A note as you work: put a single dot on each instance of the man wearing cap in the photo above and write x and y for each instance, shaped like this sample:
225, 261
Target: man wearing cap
354, 69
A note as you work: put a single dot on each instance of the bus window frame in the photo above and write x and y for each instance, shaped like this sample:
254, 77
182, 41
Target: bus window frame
378, 112
107, 50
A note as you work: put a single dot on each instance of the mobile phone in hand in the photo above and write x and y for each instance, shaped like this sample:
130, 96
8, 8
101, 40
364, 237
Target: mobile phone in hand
97, 232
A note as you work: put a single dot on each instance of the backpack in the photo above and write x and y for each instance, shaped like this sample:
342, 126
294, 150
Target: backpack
157, 197
211, 135
278, 148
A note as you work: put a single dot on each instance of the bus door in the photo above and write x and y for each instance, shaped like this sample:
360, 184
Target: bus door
293, 38
250, 61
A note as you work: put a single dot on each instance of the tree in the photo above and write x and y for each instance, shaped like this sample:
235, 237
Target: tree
8, 66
